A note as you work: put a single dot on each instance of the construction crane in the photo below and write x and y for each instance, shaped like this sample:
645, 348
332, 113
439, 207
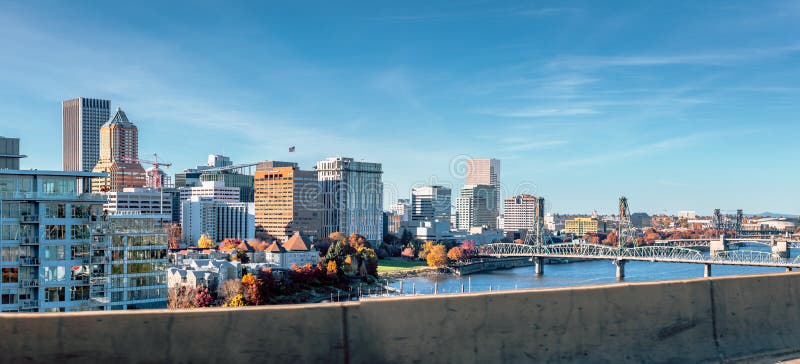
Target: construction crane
156, 164
156, 182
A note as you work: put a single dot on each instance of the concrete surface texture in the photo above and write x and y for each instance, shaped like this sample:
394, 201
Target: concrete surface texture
724, 319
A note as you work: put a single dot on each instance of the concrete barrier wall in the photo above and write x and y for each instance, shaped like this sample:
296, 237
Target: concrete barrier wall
702, 320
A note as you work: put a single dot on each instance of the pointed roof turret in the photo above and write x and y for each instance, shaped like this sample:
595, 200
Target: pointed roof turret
119, 117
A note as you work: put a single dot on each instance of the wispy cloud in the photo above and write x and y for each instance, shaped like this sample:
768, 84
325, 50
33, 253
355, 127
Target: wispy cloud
462, 13
540, 113
619, 154
719, 58
518, 145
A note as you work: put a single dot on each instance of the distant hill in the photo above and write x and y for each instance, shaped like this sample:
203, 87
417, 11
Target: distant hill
773, 214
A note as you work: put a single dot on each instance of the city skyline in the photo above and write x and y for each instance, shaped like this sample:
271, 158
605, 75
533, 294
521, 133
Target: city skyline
579, 115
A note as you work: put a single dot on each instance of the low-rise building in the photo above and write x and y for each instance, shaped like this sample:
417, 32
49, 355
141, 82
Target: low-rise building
295, 251
584, 225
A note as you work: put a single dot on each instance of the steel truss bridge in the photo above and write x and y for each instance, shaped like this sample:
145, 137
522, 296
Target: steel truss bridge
655, 253
703, 243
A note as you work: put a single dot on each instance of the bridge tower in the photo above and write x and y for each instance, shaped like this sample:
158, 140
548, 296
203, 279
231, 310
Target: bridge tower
739, 218
625, 231
716, 220
536, 236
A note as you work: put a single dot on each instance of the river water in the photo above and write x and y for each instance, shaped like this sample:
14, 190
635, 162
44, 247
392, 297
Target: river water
573, 274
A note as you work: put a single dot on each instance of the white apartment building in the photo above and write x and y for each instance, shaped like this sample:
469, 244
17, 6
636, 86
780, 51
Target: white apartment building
352, 197
149, 201
216, 190
216, 219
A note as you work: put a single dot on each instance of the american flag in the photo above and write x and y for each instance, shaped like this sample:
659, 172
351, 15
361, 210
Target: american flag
291, 149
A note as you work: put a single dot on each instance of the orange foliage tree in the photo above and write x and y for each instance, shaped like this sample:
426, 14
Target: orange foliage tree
437, 256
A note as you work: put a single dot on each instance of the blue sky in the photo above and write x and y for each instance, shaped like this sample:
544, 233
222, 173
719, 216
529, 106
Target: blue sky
677, 105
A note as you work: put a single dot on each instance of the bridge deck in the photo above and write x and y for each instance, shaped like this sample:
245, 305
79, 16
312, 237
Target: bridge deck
669, 254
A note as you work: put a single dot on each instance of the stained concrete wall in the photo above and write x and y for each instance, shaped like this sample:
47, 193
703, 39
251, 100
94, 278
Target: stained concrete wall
702, 320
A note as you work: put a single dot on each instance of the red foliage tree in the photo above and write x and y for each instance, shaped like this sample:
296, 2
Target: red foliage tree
203, 297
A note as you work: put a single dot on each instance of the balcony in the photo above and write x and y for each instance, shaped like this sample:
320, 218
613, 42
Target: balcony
28, 240
29, 283
29, 219
28, 304
98, 280
100, 300
43, 196
100, 260
28, 261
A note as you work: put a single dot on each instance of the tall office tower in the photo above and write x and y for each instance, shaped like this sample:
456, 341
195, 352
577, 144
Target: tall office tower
60, 252
287, 201
430, 203
9, 153
119, 156
520, 212
81, 120
484, 171
352, 197
216, 219
476, 207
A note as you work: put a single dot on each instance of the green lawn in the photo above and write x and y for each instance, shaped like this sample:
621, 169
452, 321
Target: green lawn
387, 266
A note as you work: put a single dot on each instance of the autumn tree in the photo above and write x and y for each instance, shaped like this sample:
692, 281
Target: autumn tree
455, 253
205, 242
253, 289
337, 236
331, 268
468, 246
437, 256
425, 249
228, 244
203, 297
228, 290
408, 252
180, 297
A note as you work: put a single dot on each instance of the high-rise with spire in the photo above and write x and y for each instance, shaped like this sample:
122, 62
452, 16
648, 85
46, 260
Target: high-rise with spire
119, 151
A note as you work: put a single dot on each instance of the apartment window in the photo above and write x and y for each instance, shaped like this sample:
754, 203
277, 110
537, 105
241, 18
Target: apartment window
55, 210
8, 296
80, 232
80, 211
9, 254
55, 232
9, 232
79, 293
80, 251
55, 252
54, 294
10, 209
58, 185
10, 275
56, 273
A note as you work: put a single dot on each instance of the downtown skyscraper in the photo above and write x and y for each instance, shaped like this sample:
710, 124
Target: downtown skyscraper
119, 156
352, 197
81, 122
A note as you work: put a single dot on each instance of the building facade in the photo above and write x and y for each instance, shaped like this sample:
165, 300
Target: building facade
216, 219
119, 156
287, 201
81, 121
352, 197
584, 225
520, 213
431, 203
476, 207
484, 171
59, 252
149, 201
220, 169
216, 190
9, 153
